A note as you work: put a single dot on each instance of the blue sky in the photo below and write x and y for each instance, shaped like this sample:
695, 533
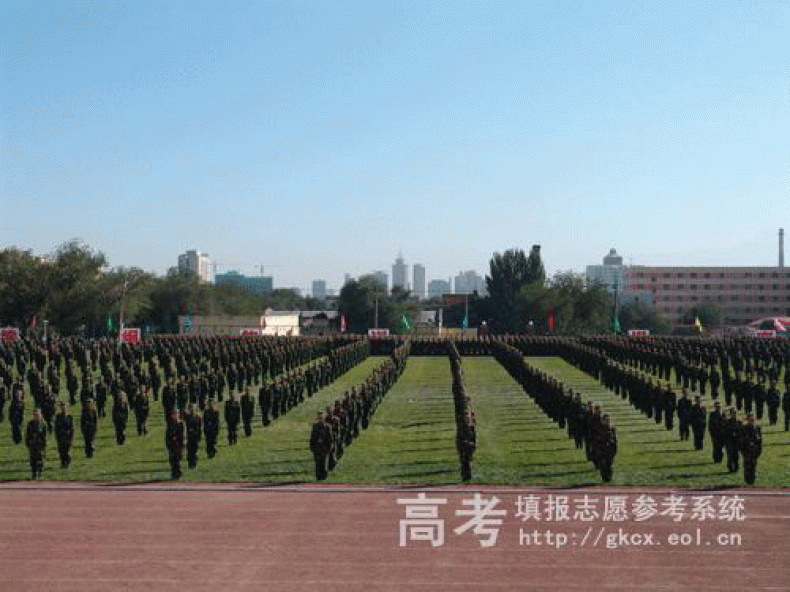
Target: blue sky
322, 138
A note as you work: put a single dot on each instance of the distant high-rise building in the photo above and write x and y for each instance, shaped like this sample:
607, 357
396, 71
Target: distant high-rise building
195, 264
399, 273
254, 284
418, 280
437, 288
610, 274
347, 279
469, 282
319, 289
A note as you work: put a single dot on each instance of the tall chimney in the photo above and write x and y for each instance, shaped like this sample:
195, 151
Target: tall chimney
781, 247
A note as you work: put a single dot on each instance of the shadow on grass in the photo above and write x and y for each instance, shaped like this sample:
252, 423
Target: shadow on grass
696, 464
693, 475
279, 450
560, 473
410, 463
553, 450
563, 462
11, 462
294, 474
412, 474
427, 449
545, 440
509, 424
273, 484
580, 485
137, 482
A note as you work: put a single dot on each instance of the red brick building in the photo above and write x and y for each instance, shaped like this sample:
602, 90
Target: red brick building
743, 293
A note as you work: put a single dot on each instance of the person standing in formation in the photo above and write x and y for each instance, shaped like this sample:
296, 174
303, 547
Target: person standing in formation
64, 434
174, 442
36, 442
194, 428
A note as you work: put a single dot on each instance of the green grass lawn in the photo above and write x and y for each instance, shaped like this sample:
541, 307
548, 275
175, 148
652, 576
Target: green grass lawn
411, 440
648, 454
276, 454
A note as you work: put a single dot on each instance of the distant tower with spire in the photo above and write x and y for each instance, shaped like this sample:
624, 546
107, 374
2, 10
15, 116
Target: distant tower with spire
400, 273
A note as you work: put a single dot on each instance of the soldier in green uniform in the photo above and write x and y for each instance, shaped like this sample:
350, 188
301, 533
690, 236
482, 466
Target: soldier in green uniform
772, 400
670, 404
751, 446
466, 443
321, 445
194, 429
36, 442
16, 415
786, 402
247, 404
169, 397
211, 428
64, 434
716, 430
265, 400
120, 417
48, 407
2, 394
142, 406
684, 415
174, 442
232, 418
605, 447
699, 420
732, 429
89, 421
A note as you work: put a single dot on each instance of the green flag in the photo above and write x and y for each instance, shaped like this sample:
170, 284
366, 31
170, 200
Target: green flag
406, 322
466, 322
616, 324
109, 323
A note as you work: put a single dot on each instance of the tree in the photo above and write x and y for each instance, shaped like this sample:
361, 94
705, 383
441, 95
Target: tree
708, 313
579, 306
72, 284
535, 271
639, 315
174, 295
122, 288
509, 274
359, 300
23, 287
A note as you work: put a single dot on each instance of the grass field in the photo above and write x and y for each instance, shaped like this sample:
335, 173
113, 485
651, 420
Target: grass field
411, 440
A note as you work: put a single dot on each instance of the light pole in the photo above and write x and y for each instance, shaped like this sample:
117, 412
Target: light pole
120, 319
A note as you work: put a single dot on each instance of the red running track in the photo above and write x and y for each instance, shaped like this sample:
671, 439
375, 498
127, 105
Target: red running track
239, 538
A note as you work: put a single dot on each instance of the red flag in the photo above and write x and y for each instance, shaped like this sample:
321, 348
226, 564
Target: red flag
34, 322
343, 325
551, 318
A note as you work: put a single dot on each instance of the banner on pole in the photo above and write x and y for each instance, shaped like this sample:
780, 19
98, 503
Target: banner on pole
9, 334
130, 335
